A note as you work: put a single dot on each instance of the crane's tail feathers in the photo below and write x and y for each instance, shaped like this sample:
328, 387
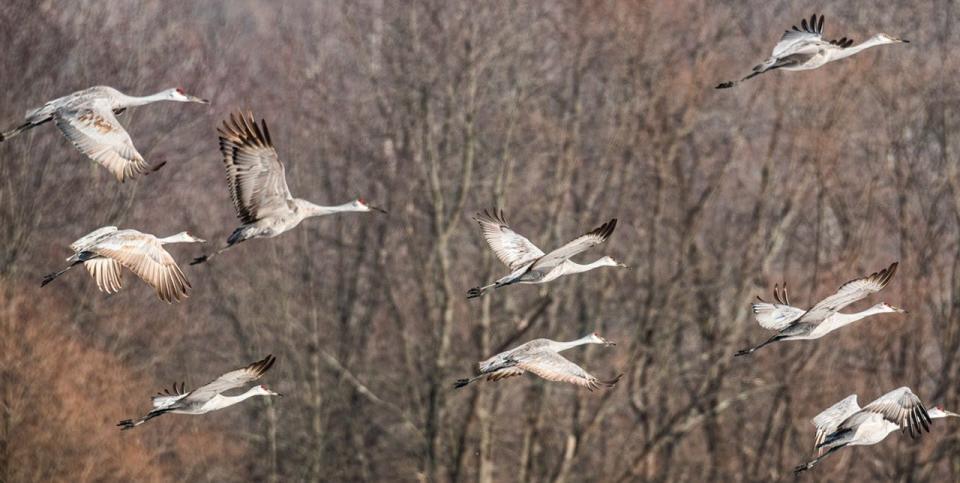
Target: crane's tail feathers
52, 276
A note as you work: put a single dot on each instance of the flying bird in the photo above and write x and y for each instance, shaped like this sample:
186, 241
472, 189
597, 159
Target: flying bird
846, 424
804, 49
527, 263
542, 357
208, 397
106, 249
258, 185
88, 119
792, 323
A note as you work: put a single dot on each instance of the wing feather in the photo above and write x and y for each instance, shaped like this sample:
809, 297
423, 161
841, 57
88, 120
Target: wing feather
146, 257
513, 249
96, 132
232, 379
582, 243
849, 293
255, 174
830, 419
554, 367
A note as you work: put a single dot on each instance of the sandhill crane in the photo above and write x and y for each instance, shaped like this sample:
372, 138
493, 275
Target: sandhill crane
258, 186
527, 263
88, 119
804, 48
106, 249
208, 397
541, 357
846, 424
792, 323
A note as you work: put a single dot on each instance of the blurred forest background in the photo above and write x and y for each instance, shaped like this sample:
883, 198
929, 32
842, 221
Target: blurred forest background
565, 114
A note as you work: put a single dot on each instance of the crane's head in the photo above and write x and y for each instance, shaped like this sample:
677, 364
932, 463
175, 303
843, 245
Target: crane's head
263, 390
361, 205
610, 262
884, 307
179, 95
889, 39
939, 412
596, 339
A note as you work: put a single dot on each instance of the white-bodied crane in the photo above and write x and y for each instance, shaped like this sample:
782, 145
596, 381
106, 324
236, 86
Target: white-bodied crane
208, 397
527, 263
804, 48
847, 424
542, 357
104, 250
792, 323
88, 119
258, 185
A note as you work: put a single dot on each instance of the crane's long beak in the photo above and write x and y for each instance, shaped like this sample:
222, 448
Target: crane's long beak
198, 100
608, 342
378, 209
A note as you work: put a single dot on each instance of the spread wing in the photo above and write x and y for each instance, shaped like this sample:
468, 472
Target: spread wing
96, 132
106, 271
586, 241
255, 175
829, 420
513, 249
554, 367
145, 256
777, 315
849, 293
901, 407
796, 40
504, 373
232, 380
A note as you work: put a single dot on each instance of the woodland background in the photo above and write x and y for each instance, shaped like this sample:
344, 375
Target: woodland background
563, 113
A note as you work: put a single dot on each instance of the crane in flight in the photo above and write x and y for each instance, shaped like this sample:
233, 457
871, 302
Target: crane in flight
805, 48
847, 424
208, 397
792, 323
542, 357
529, 264
258, 185
88, 119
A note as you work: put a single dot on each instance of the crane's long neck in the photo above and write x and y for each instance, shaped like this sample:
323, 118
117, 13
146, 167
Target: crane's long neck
133, 101
562, 346
226, 401
871, 42
839, 320
574, 267
310, 209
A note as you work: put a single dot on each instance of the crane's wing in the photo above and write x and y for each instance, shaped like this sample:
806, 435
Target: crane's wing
554, 367
96, 132
504, 373
849, 293
590, 239
777, 315
255, 175
900, 406
91, 237
796, 40
513, 249
169, 396
145, 256
232, 380
829, 420
106, 271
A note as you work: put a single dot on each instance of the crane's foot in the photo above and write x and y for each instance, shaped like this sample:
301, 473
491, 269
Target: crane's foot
199, 260
460, 383
474, 293
725, 85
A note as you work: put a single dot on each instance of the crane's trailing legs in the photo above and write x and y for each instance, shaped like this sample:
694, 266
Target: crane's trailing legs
752, 349
810, 464
52, 276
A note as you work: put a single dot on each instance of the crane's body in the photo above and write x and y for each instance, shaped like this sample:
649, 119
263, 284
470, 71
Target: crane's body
541, 357
104, 250
258, 186
88, 119
792, 323
528, 263
805, 48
